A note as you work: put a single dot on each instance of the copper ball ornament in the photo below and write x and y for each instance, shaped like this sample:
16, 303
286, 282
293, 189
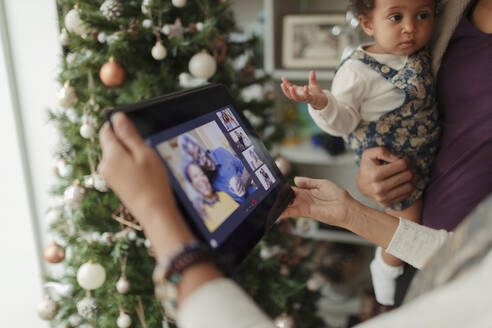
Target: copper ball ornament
112, 74
54, 253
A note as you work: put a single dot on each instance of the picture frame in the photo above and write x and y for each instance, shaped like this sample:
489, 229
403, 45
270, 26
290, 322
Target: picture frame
309, 42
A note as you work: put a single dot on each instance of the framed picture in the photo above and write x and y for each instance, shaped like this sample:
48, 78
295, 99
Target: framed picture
313, 41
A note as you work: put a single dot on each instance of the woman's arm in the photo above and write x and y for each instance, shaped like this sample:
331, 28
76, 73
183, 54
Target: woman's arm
324, 201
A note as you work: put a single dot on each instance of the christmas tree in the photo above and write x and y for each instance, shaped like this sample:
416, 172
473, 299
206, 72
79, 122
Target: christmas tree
120, 52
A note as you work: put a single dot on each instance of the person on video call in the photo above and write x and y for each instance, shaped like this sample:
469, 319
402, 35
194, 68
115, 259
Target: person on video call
227, 172
240, 140
217, 205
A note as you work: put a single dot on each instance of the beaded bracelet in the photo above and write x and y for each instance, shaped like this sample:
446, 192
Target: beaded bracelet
168, 273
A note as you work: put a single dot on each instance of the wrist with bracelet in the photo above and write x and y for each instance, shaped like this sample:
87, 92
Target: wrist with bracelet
169, 272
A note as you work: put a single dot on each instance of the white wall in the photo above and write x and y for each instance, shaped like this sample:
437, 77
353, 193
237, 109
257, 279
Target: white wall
28, 64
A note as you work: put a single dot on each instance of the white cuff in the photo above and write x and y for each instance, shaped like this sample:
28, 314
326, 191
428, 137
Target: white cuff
414, 243
220, 303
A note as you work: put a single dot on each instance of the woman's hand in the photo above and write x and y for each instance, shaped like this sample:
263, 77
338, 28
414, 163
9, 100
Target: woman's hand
311, 94
134, 171
321, 200
385, 184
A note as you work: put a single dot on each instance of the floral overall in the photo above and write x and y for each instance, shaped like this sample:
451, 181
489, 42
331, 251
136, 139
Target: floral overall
411, 130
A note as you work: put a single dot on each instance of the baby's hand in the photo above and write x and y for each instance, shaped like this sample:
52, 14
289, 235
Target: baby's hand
311, 94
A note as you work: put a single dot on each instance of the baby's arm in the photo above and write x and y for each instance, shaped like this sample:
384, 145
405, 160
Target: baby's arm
311, 93
341, 113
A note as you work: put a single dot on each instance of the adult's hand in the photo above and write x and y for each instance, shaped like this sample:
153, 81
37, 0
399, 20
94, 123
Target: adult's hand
134, 172
321, 200
385, 184
237, 186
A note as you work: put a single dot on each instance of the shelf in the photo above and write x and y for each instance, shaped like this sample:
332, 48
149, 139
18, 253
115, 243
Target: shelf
301, 75
309, 228
306, 153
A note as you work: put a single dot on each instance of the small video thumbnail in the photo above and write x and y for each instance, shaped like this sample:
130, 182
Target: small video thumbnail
266, 177
228, 119
209, 171
240, 139
252, 158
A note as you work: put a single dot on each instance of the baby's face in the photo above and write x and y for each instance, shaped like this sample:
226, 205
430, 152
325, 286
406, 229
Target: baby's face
399, 27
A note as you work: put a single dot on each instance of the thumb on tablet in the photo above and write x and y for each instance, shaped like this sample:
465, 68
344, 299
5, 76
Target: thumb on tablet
126, 132
307, 183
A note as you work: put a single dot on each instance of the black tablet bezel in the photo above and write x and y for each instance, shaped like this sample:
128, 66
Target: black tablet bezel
155, 115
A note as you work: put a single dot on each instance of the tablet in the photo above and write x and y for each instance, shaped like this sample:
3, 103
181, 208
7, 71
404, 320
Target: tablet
227, 185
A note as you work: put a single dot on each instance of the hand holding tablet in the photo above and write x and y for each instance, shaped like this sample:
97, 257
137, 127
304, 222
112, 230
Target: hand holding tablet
227, 185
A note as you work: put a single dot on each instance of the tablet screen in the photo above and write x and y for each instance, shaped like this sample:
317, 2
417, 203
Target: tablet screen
216, 169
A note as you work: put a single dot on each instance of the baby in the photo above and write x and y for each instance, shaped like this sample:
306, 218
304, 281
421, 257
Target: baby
383, 95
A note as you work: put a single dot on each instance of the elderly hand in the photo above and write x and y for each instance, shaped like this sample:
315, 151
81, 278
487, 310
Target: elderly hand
321, 200
237, 186
385, 184
134, 171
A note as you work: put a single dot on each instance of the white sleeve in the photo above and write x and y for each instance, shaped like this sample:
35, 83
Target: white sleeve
342, 114
220, 303
463, 302
415, 244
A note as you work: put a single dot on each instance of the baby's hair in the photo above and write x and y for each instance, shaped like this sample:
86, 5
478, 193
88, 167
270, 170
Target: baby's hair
361, 7
364, 7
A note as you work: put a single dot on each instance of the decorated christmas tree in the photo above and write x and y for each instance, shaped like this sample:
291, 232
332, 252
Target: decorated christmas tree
119, 52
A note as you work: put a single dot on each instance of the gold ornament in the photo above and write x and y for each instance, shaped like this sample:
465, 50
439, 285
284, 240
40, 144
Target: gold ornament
112, 74
54, 253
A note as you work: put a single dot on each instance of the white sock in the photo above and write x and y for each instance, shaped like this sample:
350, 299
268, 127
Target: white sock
384, 279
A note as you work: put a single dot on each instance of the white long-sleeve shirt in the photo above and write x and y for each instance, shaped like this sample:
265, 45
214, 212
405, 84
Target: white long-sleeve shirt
358, 93
222, 304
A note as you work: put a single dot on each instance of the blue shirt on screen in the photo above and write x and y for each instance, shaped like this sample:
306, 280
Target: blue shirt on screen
228, 166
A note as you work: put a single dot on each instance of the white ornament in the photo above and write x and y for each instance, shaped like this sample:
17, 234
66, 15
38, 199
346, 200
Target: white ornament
87, 131
64, 169
71, 58
202, 65
284, 321
123, 285
147, 23
102, 37
60, 289
75, 24
147, 243
186, 80
64, 38
87, 308
145, 6
266, 253
159, 52
179, 3
124, 320
199, 26
72, 115
166, 29
47, 309
75, 320
106, 238
132, 235
73, 195
111, 9
100, 183
91, 275
313, 284
66, 96
252, 92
